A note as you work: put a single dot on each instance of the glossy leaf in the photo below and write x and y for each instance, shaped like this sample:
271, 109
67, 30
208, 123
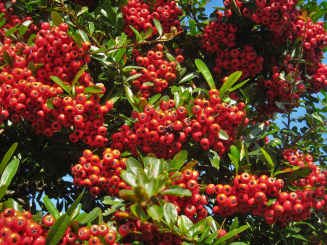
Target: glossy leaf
7, 58
184, 225
56, 18
78, 75
93, 90
158, 25
170, 213
268, 160
84, 36
9, 172
214, 158
155, 212
7, 157
233, 78
154, 99
51, 207
3, 189
91, 216
234, 161
58, 81
23, 28
75, 204
137, 34
231, 234
133, 165
177, 192
179, 159
57, 230
299, 174
223, 135
11, 31
206, 73
189, 77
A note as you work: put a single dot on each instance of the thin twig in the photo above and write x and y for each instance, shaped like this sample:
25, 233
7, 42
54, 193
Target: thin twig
309, 131
15, 39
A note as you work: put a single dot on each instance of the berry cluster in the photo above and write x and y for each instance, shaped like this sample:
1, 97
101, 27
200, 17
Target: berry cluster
13, 20
218, 35
163, 132
104, 174
19, 228
140, 15
25, 94
252, 193
159, 71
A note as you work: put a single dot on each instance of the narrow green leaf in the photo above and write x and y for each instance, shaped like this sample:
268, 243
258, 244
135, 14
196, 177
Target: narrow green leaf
30, 40
229, 82
234, 161
206, 73
179, 159
159, 27
172, 59
76, 212
223, 135
154, 99
130, 98
23, 28
84, 36
79, 74
7, 58
137, 34
299, 174
50, 103
177, 192
15, 205
148, 33
3, 190
74, 205
170, 214
91, 216
93, 90
56, 18
238, 85
192, 26
7, 157
58, 229
269, 161
133, 77
81, 217
214, 158
91, 27
155, 212
50, 207
231, 234
120, 54
78, 39
9, 172
58, 81
10, 31
184, 225
235, 152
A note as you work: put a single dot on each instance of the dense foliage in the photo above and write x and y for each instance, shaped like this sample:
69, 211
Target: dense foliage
148, 122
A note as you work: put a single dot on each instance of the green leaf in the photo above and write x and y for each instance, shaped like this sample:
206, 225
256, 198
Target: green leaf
91, 216
130, 178
238, 86
91, 27
7, 157
159, 27
214, 158
50, 103
3, 190
79, 74
179, 159
31, 40
206, 73
177, 192
154, 99
57, 230
223, 135
155, 212
23, 28
202, 223
132, 166
268, 160
231, 234
74, 205
15, 205
58, 81
78, 39
253, 133
299, 236
7, 58
172, 59
120, 54
184, 225
93, 90
235, 152
280, 105
81, 217
234, 161
189, 77
50, 207
133, 77
9, 172
84, 36
229, 82
111, 200
305, 223
192, 26
130, 98
10, 31
137, 34
286, 170
170, 214
56, 18
299, 174
76, 212
310, 119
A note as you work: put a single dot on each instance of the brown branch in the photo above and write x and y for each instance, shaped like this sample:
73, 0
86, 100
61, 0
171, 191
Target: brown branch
13, 38
79, 25
309, 131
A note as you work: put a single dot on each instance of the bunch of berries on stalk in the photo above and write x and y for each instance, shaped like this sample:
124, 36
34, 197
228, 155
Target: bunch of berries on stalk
27, 87
100, 174
159, 71
163, 131
253, 193
140, 15
13, 20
